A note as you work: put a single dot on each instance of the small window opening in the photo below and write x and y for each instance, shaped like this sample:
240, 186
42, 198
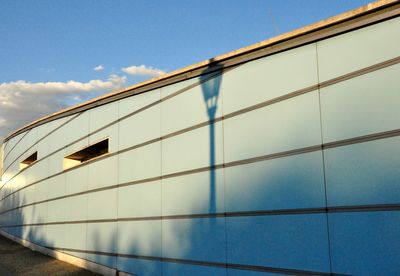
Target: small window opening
86, 154
28, 161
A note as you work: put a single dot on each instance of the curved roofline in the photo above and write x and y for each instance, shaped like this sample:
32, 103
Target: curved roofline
350, 20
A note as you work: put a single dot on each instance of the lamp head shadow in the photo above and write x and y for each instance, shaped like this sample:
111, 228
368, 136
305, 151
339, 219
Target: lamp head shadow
210, 85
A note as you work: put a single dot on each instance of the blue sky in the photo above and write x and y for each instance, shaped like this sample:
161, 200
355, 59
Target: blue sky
49, 48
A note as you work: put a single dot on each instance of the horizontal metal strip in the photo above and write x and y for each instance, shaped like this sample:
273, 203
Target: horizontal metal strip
345, 77
286, 271
278, 212
272, 101
31, 184
9, 152
282, 43
171, 175
274, 156
363, 138
361, 72
365, 208
228, 116
180, 91
360, 139
6, 144
37, 142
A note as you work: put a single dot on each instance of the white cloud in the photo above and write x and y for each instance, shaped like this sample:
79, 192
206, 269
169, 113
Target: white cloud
22, 86
22, 102
98, 68
143, 70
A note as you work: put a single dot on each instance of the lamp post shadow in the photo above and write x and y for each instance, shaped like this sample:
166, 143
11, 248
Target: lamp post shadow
210, 86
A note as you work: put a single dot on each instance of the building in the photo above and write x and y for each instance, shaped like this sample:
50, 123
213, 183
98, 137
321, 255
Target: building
282, 157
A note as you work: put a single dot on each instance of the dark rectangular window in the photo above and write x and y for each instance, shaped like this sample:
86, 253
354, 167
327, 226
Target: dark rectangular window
29, 160
86, 154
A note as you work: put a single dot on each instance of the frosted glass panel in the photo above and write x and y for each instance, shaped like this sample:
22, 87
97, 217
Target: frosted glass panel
358, 49
363, 105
